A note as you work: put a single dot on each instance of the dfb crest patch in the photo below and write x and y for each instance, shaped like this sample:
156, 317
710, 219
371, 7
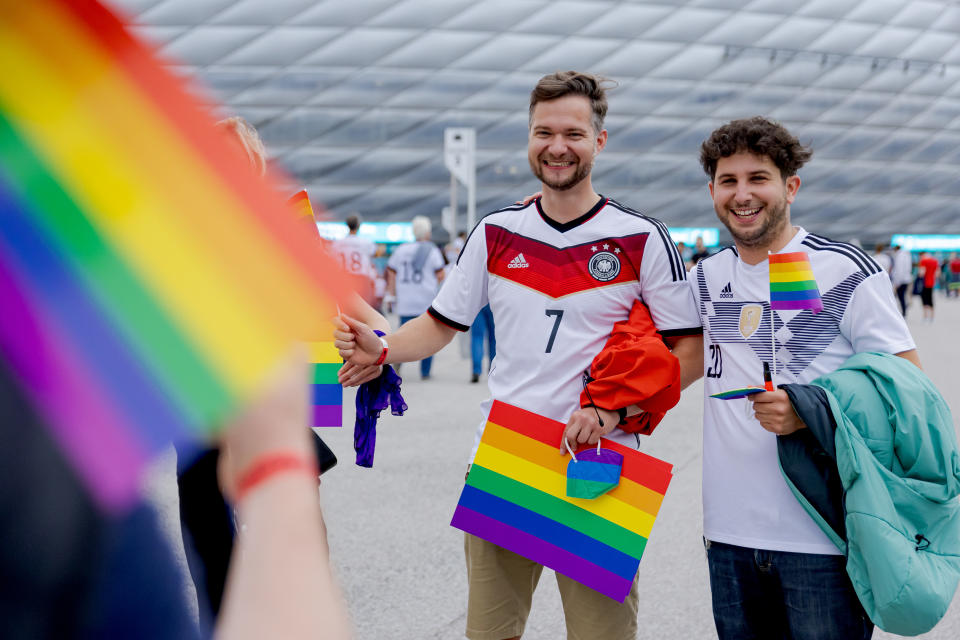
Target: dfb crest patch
604, 266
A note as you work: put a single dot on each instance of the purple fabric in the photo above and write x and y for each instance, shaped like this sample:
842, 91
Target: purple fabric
372, 398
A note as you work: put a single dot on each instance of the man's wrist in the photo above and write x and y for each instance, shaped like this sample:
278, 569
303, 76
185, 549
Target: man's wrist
383, 353
621, 414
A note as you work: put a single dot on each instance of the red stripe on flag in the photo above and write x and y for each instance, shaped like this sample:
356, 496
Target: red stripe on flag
167, 94
650, 472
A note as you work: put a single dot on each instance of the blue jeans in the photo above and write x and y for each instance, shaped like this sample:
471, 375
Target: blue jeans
482, 325
774, 595
426, 362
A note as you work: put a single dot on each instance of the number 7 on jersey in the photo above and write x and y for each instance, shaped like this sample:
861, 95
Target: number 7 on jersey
558, 316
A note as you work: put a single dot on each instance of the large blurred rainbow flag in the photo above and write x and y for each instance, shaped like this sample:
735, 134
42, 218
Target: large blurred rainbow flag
792, 285
147, 283
515, 497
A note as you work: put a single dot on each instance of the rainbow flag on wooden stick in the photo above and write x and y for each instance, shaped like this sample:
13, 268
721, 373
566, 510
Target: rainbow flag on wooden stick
515, 497
148, 282
792, 285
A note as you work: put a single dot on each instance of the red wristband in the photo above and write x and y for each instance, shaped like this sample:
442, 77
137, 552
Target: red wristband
270, 464
383, 354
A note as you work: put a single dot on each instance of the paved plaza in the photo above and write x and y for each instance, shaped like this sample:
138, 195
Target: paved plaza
401, 565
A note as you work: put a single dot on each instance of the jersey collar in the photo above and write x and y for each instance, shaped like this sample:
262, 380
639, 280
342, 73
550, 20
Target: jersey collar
566, 226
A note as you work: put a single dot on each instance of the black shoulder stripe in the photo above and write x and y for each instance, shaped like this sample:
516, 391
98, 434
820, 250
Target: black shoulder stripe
865, 263
512, 207
439, 317
682, 333
727, 248
677, 270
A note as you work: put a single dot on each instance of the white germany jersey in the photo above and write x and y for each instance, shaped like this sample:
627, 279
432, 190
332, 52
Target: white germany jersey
746, 502
556, 291
415, 265
355, 253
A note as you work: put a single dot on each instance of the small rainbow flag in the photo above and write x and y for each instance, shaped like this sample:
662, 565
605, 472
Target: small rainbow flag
148, 283
515, 497
300, 203
733, 394
325, 390
792, 285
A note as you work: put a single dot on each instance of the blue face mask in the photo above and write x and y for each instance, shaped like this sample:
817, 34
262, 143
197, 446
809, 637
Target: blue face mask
593, 472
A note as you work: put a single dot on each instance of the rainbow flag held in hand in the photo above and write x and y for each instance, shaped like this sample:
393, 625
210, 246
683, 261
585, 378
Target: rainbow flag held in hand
300, 203
149, 282
792, 285
515, 497
325, 390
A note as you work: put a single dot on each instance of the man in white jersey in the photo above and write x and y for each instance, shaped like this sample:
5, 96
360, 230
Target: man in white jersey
773, 572
355, 255
414, 272
558, 273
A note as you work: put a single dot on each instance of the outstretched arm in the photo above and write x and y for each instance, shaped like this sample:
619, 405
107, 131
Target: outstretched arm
421, 337
359, 309
280, 582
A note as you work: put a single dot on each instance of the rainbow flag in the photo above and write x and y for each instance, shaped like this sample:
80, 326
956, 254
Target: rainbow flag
734, 394
792, 285
325, 390
148, 283
300, 203
515, 497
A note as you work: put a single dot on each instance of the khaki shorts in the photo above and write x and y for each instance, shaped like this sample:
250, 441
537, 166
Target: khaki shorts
501, 589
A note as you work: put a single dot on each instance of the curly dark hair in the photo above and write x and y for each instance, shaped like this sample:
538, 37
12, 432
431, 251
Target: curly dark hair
564, 83
758, 136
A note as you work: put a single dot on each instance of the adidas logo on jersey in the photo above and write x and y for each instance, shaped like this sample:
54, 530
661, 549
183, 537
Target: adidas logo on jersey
726, 292
518, 263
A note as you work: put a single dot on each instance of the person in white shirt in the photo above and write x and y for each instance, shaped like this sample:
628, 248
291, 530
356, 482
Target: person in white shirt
558, 272
414, 273
773, 572
355, 254
883, 259
902, 275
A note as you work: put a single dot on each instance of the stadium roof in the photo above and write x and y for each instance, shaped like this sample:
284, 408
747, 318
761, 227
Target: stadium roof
352, 96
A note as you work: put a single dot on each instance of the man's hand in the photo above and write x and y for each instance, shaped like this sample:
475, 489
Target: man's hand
583, 427
352, 375
530, 198
775, 413
357, 342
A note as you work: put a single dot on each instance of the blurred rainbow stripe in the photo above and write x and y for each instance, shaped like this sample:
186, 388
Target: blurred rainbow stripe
148, 284
325, 390
792, 285
515, 497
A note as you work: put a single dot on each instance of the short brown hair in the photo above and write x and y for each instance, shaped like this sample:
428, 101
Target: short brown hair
758, 136
565, 83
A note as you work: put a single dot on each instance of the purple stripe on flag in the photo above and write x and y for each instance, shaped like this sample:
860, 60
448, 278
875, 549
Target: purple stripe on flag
93, 437
533, 548
327, 415
815, 304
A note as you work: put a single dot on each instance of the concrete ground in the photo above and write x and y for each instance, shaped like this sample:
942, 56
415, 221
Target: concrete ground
401, 565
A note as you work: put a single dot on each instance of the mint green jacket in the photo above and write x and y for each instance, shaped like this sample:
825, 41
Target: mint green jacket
897, 458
